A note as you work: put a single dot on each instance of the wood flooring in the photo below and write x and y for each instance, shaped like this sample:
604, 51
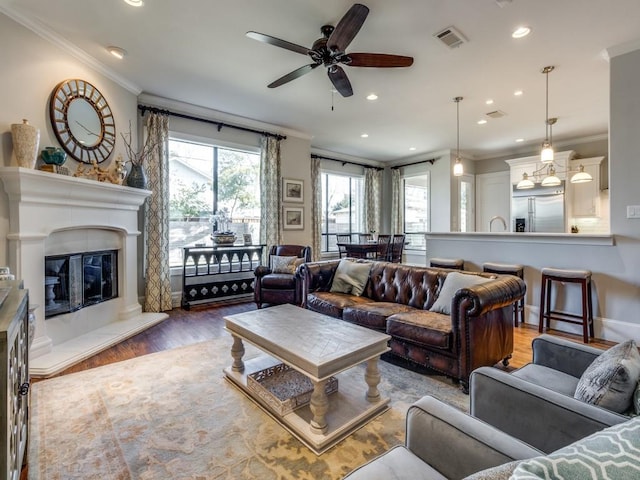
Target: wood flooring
185, 327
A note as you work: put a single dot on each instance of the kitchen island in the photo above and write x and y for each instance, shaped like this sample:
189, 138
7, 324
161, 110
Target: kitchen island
616, 296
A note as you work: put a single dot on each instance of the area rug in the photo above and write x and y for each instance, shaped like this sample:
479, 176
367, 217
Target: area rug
172, 415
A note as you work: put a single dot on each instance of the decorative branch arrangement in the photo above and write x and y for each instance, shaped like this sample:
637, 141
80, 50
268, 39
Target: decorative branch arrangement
138, 158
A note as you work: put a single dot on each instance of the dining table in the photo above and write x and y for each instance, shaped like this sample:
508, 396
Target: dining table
361, 250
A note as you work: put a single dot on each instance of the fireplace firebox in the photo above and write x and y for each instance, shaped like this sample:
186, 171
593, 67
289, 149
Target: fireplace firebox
78, 280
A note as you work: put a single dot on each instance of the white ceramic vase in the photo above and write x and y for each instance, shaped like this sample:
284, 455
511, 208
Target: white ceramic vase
26, 139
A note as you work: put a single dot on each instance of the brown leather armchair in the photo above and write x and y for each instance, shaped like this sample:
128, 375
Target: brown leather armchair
276, 288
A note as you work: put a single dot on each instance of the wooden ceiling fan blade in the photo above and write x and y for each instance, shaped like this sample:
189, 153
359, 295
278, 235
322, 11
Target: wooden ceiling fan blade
298, 72
347, 28
277, 42
379, 60
340, 80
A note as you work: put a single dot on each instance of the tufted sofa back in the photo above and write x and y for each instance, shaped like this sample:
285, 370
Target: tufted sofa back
410, 285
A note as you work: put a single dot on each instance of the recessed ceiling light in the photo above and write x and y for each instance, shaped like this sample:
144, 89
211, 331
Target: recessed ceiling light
482, 121
519, 140
521, 32
412, 148
518, 93
364, 135
117, 52
372, 96
134, 3
489, 101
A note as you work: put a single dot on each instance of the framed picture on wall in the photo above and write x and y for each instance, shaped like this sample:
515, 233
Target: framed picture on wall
293, 218
292, 190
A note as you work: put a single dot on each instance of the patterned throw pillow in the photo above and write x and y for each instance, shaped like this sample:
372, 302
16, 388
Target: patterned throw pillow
613, 453
454, 282
350, 277
611, 379
285, 264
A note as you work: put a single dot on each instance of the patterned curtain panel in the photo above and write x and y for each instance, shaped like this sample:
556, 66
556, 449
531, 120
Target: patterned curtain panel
396, 214
270, 194
372, 200
316, 209
157, 281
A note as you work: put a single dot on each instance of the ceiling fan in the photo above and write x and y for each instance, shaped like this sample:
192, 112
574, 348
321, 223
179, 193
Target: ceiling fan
330, 52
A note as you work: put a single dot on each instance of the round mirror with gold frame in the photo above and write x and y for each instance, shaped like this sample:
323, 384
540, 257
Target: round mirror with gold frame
82, 121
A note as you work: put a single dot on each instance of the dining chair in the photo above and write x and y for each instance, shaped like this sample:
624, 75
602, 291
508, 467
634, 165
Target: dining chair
383, 247
344, 238
365, 237
395, 248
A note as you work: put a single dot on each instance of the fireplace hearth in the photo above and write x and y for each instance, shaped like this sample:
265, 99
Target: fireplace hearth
79, 280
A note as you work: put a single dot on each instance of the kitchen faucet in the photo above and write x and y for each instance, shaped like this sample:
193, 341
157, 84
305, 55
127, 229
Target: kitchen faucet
498, 217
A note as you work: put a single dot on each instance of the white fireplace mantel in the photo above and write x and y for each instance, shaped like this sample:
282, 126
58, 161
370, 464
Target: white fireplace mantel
44, 205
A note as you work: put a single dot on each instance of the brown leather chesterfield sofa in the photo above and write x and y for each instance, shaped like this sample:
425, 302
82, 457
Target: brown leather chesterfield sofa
396, 300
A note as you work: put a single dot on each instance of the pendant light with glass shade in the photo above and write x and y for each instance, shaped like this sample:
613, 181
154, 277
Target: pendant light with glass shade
458, 169
546, 155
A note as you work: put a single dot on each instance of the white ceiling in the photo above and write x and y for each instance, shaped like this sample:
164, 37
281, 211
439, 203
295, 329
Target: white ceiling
196, 51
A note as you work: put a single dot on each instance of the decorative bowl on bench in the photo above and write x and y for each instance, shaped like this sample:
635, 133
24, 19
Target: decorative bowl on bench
223, 238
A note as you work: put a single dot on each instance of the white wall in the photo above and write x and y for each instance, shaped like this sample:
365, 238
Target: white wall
31, 69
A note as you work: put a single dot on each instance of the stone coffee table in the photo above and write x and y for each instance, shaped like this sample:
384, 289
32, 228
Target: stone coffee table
319, 347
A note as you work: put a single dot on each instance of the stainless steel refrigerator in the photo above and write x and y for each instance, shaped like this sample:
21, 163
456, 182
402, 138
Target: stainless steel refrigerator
538, 209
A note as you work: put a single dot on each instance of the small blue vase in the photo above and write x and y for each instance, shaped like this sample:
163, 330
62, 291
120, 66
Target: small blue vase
53, 156
136, 177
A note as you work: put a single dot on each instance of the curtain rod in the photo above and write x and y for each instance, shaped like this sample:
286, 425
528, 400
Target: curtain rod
430, 160
344, 162
145, 108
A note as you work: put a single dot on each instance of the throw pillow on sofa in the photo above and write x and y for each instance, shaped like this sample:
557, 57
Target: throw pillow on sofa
285, 264
612, 378
612, 453
350, 277
454, 282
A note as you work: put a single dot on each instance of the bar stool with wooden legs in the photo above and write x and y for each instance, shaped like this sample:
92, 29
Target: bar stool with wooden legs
509, 269
582, 277
453, 263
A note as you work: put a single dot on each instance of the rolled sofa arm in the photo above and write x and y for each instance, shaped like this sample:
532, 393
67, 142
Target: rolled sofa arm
541, 417
564, 355
457, 444
261, 271
485, 297
316, 276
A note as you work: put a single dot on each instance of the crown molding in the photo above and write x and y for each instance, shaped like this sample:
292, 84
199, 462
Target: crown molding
62, 43
216, 115
621, 49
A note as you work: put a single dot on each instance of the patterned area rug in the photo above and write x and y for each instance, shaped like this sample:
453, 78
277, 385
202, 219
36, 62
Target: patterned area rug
172, 415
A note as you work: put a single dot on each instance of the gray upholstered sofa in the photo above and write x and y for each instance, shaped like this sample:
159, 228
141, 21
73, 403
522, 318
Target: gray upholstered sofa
443, 443
536, 403
473, 326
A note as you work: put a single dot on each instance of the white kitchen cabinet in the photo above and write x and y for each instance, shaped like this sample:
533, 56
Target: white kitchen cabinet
585, 197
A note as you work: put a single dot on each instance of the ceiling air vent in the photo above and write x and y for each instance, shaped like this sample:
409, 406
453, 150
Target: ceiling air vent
451, 37
495, 114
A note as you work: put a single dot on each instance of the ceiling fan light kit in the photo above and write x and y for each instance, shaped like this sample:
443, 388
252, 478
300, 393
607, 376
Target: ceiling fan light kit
329, 51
